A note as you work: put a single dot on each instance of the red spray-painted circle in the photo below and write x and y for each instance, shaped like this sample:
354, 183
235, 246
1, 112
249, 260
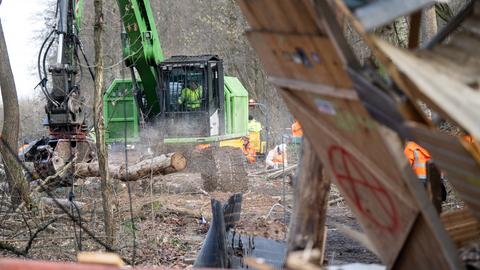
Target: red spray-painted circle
344, 165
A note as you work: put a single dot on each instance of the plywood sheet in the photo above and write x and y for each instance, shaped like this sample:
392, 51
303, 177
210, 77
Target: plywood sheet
302, 57
462, 227
284, 16
371, 184
367, 166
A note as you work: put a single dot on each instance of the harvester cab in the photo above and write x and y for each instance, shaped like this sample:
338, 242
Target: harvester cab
193, 96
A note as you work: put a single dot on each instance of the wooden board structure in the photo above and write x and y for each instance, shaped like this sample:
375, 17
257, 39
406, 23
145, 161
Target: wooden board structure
461, 226
363, 159
447, 78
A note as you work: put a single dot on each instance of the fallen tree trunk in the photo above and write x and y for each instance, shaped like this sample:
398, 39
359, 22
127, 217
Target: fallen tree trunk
163, 164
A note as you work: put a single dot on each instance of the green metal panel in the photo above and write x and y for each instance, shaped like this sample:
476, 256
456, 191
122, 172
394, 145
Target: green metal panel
120, 112
236, 106
228, 112
143, 48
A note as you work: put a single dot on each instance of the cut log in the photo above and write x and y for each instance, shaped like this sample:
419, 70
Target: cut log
163, 164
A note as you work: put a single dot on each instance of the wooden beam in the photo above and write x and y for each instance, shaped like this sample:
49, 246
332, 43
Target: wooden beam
312, 188
414, 31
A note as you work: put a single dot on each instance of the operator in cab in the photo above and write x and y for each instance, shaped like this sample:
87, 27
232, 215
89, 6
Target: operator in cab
191, 97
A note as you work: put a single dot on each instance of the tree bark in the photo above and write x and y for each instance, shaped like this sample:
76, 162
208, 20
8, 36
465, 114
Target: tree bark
17, 184
163, 164
429, 24
312, 188
106, 181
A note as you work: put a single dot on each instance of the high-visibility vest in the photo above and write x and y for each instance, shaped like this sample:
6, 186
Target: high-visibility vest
418, 157
468, 138
191, 98
20, 150
254, 126
297, 129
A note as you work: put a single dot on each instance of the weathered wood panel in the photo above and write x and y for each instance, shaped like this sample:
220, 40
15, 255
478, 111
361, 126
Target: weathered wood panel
369, 169
461, 226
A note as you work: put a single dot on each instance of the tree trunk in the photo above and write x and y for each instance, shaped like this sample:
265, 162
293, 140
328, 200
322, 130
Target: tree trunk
9, 145
164, 164
102, 154
312, 188
429, 24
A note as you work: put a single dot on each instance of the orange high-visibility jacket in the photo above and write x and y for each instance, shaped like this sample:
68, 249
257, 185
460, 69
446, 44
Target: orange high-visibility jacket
20, 150
418, 157
468, 138
249, 152
297, 130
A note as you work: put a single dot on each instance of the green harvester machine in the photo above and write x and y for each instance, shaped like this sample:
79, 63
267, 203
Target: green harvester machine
151, 98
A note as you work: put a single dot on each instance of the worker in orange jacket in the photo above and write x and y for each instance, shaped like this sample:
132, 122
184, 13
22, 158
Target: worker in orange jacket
297, 130
418, 157
277, 157
249, 150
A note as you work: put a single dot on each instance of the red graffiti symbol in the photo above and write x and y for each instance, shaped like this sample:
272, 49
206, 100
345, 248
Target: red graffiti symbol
353, 176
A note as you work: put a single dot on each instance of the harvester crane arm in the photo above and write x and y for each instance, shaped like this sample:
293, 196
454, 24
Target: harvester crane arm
141, 48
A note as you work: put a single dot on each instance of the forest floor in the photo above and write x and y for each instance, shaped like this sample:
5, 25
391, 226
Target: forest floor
167, 227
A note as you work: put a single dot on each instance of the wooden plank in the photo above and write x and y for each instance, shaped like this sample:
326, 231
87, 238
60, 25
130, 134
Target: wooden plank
272, 15
248, 13
462, 226
317, 88
277, 22
465, 74
364, 159
472, 24
384, 216
460, 57
316, 125
459, 105
467, 42
260, 43
434, 182
301, 15
332, 62
414, 31
382, 12
335, 31
302, 57
419, 250
310, 202
255, 13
